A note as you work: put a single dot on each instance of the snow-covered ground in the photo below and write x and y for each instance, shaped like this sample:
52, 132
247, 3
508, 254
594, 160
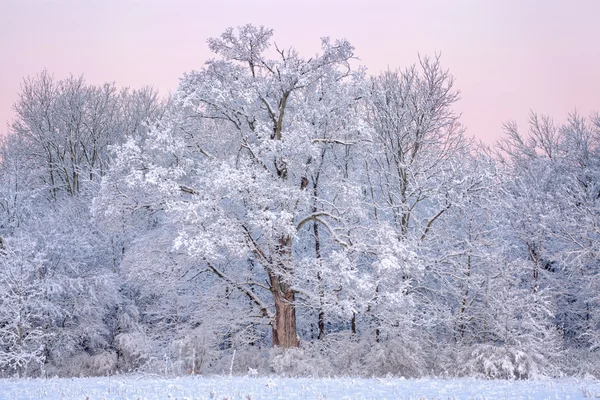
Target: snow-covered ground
218, 388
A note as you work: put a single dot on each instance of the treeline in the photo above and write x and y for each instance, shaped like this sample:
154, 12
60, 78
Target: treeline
293, 215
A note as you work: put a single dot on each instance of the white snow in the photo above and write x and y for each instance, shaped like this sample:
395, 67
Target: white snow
246, 388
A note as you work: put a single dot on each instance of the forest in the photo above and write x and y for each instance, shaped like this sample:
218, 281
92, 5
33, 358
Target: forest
294, 215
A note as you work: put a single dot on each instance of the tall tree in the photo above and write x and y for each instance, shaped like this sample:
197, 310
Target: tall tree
56, 151
249, 160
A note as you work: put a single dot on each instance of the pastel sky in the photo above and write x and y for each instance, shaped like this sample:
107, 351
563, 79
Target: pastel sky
508, 57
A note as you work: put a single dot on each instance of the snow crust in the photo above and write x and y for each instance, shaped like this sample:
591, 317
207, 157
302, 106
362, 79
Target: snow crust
248, 388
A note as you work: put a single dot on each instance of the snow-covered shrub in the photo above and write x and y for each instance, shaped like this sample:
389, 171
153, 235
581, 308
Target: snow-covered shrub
504, 362
297, 362
132, 350
342, 354
392, 358
101, 364
584, 363
247, 360
196, 351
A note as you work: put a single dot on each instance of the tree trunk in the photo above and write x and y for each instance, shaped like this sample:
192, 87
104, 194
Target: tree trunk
20, 342
284, 323
321, 316
462, 327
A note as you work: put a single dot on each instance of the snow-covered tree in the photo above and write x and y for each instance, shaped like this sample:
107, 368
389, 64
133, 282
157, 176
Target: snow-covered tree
53, 157
25, 309
234, 160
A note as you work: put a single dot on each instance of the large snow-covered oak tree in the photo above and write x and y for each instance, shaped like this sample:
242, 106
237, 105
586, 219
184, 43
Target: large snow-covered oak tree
235, 156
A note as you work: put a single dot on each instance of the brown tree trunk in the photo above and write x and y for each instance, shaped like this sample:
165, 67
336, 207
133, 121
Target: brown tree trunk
284, 323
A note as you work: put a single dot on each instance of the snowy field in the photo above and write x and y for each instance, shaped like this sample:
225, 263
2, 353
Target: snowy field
147, 387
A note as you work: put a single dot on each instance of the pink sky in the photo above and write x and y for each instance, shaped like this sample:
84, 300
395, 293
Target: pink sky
508, 57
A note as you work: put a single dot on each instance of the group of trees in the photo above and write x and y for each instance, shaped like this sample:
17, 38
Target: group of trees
300, 213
